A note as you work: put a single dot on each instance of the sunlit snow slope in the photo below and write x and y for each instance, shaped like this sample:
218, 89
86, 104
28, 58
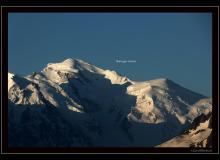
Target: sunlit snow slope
199, 134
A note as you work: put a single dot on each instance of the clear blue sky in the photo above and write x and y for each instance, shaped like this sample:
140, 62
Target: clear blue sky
177, 46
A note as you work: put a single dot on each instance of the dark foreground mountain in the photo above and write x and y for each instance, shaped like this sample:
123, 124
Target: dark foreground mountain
76, 104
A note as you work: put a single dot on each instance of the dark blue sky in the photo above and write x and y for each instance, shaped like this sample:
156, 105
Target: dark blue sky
177, 46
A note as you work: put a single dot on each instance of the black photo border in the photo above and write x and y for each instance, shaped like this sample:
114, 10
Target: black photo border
100, 9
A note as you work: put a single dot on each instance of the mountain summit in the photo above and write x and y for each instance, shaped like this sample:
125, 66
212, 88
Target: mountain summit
74, 103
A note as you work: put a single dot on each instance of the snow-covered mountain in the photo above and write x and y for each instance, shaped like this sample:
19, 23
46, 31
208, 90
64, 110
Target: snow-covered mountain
74, 103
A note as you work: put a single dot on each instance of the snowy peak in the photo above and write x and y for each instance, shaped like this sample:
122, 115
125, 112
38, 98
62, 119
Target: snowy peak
73, 65
147, 87
67, 69
164, 83
66, 65
60, 72
74, 68
160, 100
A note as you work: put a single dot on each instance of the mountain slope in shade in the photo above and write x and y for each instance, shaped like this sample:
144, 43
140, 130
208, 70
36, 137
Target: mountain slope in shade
199, 134
74, 103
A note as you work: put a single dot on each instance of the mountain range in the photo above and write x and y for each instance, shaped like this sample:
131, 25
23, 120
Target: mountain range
76, 104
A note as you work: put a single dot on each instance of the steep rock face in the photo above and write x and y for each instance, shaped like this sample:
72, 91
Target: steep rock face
74, 103
22, 91
198, 134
